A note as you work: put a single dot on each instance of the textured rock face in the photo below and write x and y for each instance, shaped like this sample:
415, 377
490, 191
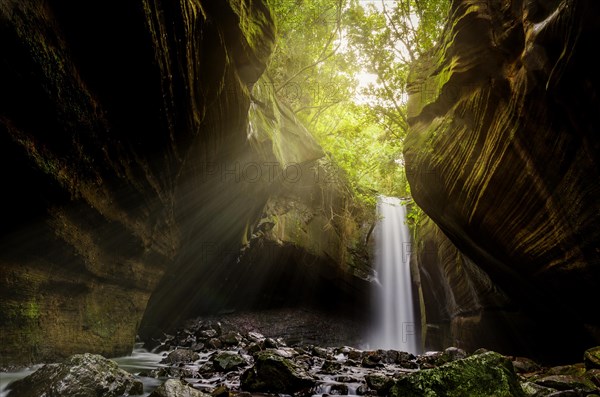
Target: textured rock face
503, 154
107, 112
137, 155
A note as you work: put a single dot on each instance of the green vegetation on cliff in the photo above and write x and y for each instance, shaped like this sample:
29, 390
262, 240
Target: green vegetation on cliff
342, 66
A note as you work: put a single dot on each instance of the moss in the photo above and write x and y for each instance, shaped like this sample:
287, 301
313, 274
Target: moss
31, 310
487, 374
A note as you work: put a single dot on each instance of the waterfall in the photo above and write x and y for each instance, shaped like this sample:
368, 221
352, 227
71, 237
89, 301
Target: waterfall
395, 326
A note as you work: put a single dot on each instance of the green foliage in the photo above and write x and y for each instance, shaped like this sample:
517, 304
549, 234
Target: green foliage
323, 47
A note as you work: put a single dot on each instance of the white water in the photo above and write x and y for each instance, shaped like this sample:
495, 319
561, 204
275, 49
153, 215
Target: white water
395, 325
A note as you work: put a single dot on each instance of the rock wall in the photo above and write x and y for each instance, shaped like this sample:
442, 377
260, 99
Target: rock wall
124, 155
503, 154
277, 226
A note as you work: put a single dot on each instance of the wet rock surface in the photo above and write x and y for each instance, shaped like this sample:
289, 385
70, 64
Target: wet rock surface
502, 154
256, 365
260, 365
82, 375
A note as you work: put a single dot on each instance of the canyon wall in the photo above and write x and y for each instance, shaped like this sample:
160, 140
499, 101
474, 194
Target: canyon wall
503, 155
126, 160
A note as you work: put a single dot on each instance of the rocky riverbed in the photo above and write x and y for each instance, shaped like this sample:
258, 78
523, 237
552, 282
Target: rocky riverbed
210, 358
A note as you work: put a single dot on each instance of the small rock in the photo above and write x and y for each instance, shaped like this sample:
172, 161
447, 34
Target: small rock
285, 352
454, 353
255, 337
431, 360
197, 346
177, 388
535, 390
207, 334
228, 361
320, 352
379, 383
594, 376
231, 338
254, 348
525, 365
179, 356
331, 367
275, 374
591, 358
271, 343
355, 355
221, 391
371, 360
215, 343
573, 370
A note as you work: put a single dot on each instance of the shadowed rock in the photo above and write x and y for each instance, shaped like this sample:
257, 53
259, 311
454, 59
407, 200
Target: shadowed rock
503, 155
275, 374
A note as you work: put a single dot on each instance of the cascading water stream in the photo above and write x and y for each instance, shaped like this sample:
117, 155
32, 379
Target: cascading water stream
395, 324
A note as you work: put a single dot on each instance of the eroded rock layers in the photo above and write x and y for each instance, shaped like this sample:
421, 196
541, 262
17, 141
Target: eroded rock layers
503, 154
126, 155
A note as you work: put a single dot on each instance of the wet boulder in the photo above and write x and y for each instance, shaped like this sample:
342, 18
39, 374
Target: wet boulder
274, 374
487, 374
181, 356
379, 382
81, 375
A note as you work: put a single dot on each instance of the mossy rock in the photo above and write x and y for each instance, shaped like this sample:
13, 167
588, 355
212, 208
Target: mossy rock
487, 374
274, 374
81, 375
591, 358
228, 361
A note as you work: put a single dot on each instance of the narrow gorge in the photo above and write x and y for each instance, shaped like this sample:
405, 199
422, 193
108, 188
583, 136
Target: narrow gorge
168, 183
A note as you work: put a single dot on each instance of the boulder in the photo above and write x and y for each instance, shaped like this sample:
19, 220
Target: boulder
177, 388
566, 382
274, 374
81, 375
487, 374
379, 382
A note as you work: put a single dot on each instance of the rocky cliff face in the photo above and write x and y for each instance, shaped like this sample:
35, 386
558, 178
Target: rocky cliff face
125, 156
503, 154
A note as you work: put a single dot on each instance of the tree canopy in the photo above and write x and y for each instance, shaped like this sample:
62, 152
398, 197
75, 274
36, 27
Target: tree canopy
342, 66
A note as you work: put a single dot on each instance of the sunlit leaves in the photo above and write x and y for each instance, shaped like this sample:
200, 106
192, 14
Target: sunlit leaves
322, 46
